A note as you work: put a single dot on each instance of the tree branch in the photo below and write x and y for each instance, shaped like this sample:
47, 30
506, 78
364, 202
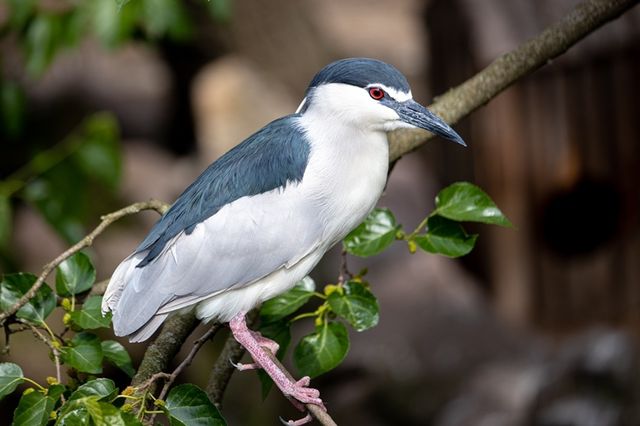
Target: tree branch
317, 412
106, 220
159, 354
460, 101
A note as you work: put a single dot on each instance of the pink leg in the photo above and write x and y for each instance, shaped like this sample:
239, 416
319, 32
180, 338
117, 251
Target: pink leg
296, 391
265, 342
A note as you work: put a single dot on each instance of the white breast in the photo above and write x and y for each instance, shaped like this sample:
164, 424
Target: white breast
344, 178
346, 174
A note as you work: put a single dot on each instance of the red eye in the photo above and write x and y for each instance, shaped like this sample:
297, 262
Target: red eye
376, 93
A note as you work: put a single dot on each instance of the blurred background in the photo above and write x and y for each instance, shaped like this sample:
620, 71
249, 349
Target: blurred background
107, 102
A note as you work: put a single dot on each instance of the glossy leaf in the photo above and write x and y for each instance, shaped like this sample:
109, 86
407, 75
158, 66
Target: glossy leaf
289, 302
103, 413
373, 235
188, 405
322, 350
279, 332
84, 353
115, 353
465, 202
33, 409
5, 220
75, 275
10, 377
99, 154
38, 308
90, 315
102, 388
356, 304
79, 416
55, 391
446, 237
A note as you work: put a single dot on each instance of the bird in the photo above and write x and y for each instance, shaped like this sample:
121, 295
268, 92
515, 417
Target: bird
259, 218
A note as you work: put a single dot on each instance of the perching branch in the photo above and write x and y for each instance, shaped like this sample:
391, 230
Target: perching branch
106, 220
159, 354
460, 101
317, 412
170, 378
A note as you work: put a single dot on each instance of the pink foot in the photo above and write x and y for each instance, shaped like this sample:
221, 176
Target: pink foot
298, 392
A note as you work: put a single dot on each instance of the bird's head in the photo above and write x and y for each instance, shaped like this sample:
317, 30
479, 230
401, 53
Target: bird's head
370, 94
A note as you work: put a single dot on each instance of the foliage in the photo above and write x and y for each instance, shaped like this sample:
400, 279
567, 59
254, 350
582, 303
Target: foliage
90, 157
88, 399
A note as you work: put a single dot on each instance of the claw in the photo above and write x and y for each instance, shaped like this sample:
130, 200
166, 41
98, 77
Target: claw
243, 367
303, 421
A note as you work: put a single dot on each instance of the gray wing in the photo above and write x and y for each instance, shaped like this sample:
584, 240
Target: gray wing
243, 242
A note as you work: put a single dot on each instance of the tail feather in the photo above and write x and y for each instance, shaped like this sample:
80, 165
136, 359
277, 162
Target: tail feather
147, 330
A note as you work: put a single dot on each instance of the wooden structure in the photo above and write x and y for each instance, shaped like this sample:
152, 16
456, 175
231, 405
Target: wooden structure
560, 154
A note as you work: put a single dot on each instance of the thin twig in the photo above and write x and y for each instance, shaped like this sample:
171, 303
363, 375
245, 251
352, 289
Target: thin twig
556, 39
54, 350
159, 354
170, 378
344, 269
188, 359
106, 220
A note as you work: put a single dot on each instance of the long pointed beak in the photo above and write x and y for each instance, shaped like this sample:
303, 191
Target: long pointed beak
415, 114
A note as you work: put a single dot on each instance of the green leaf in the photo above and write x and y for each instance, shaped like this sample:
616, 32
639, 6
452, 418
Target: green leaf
115, 353
33, 409
84, 353
90, 316
445, 237
36, 310
64, 210
289, 302
41, 41
75, 275
322, 350
20, 12
102, 388
166, 18
99, 155
5, 220
103, 413
55, 391
356, 304
465, 202
129, 419
220, 10
79, 416
10, 377
373, 235
12, 106
279, 332
188, 405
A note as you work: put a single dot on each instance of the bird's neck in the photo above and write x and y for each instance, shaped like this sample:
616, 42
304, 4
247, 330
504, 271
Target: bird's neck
347, 171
